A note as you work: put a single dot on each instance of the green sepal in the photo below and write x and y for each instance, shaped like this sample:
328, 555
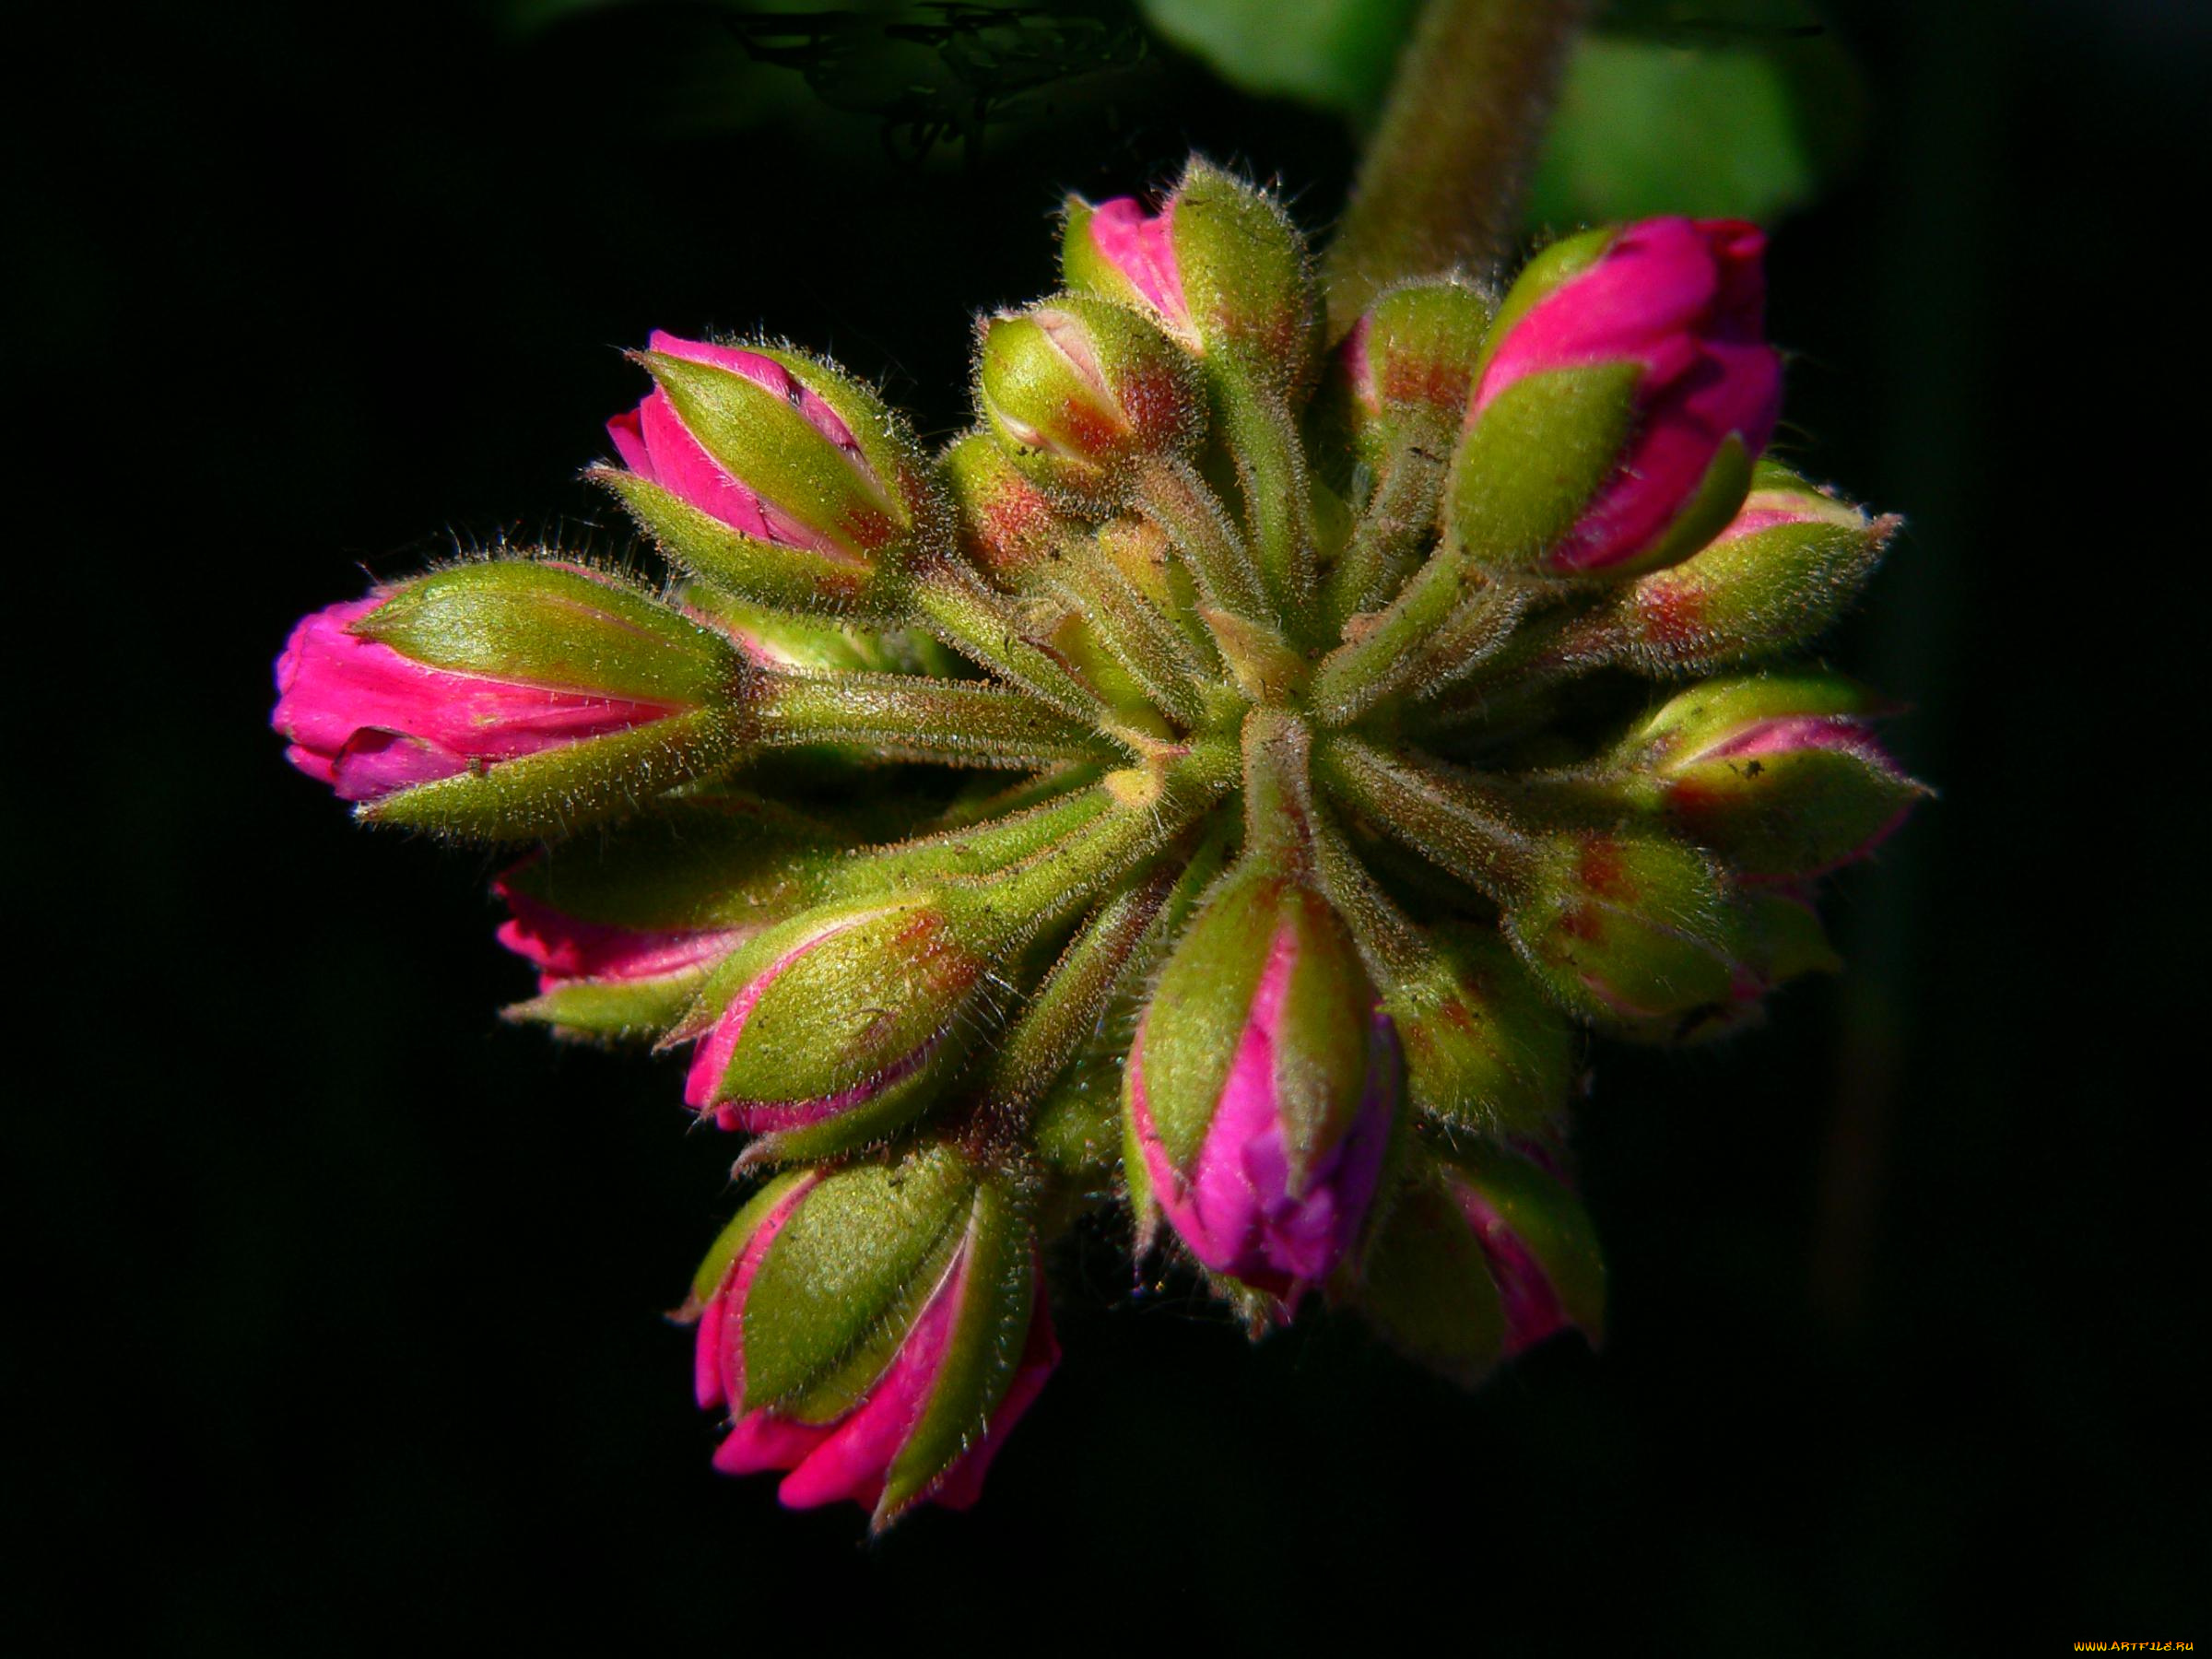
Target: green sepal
1485, 1051
1247, 281
787, 640
1551, 1222
1779, 938
1426, 1287
534, 622
1202, 1003
631, 1010
880, 995
1535, 458
848, 1272
731, 1242
1075, 1130
1627, 928
761, 439
717, 861
997, 1287
766, 572
559, 790
1542, 277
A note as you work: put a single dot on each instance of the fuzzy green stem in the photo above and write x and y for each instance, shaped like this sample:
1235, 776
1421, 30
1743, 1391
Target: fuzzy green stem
1440, 184
1170, 493
907, 717
968, 617
1254, 420
1278, 791
1136, 636
1395, 527
1151, 809
1062, 1012
1456, 823
972, 852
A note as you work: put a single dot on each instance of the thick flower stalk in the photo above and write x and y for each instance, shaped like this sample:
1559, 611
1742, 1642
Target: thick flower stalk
1220, 789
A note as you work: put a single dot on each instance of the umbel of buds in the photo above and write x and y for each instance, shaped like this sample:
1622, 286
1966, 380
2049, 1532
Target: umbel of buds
1222, 791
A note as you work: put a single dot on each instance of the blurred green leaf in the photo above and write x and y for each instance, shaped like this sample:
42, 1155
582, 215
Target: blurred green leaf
1336, 53
1720, 108
1739, 107
1644, 128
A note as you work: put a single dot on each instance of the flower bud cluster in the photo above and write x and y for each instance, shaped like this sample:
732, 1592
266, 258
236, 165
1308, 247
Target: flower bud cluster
1369, 722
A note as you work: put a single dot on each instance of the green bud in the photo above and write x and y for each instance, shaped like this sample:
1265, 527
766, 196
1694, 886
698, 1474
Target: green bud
1008, 526
1777, 773
1484, 1050
1625, 928
1220, 267
1776, 580
829, 1030
1079, 391
1409, 364
1482, 1254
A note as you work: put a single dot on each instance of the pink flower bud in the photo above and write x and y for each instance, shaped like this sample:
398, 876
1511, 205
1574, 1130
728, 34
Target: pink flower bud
367, 720
852, 1447
1682, 299
1526, 1295
835, 1023
1780, 772
655, 444
565, 950
1293, 1133
1140, 249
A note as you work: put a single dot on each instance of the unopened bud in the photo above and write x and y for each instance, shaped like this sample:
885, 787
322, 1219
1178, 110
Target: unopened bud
1773, 581
1625, 393
1482, 1255
875, 1330
775, 476
832, 1029
1411, 359
1008, 526
1262, 1086
1220, 267
1078, 390
1627, 928
507, 699
1484, 1050
1778, 772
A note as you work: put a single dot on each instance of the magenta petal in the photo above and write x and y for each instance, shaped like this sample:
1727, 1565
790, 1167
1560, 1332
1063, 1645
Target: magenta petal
853, 1461
1142, 247
562, 948
627, 431
706, 1354
760, 1441
374, 762
682, 467
1533, 1310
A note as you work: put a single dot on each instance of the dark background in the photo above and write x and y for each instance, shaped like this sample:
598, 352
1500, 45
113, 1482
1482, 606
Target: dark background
337, 1321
